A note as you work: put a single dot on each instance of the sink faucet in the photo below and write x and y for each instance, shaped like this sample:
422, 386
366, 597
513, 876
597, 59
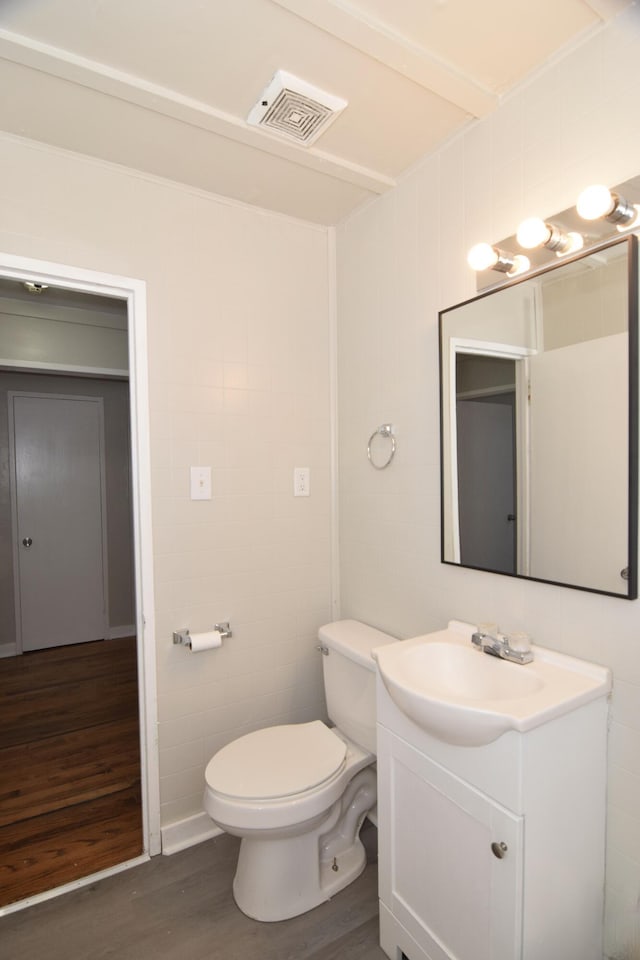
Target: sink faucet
515, 647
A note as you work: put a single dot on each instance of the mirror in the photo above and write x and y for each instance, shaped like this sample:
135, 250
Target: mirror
539, 425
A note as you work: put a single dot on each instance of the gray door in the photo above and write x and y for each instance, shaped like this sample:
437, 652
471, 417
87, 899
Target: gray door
58, 502
487, 483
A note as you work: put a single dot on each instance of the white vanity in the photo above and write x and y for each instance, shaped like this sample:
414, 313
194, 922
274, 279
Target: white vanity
491, 802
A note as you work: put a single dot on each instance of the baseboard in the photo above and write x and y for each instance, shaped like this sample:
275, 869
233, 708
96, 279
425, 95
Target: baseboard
113, 633
187, 833
116, 633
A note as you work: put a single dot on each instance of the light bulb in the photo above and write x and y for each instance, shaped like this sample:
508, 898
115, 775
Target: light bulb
520, 264
482, 256
533, 232
595, 202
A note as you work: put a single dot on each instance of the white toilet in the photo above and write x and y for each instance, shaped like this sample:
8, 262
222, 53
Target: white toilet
297, 794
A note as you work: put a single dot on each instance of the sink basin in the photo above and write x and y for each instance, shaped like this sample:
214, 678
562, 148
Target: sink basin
456, 671
465, 697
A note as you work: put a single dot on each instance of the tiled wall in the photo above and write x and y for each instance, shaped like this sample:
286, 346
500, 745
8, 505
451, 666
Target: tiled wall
402, 259
238, 330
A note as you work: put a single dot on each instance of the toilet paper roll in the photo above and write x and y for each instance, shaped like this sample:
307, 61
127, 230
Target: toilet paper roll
205, 641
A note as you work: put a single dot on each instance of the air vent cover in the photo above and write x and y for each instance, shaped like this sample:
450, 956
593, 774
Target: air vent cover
295, 109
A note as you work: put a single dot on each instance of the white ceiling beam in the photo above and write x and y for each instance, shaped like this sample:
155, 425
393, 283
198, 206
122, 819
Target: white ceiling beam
397, 52
115, 83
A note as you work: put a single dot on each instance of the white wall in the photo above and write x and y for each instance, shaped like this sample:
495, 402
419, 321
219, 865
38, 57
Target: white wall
238, 336
402, 259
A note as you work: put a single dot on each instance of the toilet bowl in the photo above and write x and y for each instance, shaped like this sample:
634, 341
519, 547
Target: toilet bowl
297, 794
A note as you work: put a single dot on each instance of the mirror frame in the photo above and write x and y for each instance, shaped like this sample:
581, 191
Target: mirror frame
632, 527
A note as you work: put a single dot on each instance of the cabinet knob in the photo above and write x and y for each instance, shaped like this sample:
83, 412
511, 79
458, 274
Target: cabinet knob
499, 850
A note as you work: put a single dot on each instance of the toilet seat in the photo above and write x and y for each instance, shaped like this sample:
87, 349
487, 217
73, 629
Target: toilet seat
337, 760
277, 762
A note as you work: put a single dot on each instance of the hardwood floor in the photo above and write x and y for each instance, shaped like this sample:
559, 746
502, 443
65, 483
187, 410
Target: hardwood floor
70, 800
182, 908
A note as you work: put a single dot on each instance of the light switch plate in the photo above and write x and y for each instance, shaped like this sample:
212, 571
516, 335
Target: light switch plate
201, 483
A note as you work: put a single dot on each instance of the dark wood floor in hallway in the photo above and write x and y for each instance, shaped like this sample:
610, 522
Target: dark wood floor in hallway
69, 765
182, 908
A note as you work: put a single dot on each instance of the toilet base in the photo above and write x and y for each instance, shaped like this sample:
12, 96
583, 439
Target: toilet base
280, 878
268, 888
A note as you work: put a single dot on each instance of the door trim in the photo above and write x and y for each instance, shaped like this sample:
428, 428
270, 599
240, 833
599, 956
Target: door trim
449, 423
13, 483
134, 293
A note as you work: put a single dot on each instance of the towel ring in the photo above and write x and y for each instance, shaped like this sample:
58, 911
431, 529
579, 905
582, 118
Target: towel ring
384, 430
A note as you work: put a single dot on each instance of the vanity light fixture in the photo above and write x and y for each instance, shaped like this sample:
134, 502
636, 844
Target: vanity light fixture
483, 256
598, 202
534, 232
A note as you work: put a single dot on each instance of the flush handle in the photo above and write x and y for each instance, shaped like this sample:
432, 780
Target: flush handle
499, 850
26, 541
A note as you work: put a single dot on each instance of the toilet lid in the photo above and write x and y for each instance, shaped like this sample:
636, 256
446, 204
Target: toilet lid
276, 762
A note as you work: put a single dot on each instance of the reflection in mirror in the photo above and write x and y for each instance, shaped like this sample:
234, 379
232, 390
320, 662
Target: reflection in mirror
539, 425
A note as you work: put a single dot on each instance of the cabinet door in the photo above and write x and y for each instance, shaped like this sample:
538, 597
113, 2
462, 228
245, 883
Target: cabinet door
439, 875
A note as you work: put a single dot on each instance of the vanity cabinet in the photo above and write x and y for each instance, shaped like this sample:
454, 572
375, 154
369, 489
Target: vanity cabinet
493, 852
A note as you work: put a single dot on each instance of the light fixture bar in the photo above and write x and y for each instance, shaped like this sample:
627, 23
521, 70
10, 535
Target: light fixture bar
609, 211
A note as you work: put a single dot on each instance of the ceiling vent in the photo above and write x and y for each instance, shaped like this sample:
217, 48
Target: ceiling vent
295, 109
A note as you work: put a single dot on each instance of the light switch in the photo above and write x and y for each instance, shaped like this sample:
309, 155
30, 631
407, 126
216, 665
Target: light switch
301, 481
201, 483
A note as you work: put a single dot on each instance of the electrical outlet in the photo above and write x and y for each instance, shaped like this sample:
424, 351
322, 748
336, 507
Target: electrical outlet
301, 481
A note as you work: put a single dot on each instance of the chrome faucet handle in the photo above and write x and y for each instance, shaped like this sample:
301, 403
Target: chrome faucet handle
515, 647
484, 633
519, 641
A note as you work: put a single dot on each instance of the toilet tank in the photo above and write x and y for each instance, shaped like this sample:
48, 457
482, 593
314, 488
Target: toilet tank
350, 678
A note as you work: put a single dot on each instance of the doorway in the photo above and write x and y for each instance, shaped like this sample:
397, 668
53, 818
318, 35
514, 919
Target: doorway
141, 644
487, 462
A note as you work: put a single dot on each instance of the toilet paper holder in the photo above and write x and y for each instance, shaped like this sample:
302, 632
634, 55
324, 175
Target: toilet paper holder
183, 637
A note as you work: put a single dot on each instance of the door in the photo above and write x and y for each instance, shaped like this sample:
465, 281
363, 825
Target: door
487, 483
451, 859
59, 518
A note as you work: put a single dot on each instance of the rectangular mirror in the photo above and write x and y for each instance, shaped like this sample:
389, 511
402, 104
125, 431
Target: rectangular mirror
539, 425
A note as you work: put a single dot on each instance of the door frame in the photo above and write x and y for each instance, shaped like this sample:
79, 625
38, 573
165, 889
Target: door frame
134, 293
13, 483
467, 345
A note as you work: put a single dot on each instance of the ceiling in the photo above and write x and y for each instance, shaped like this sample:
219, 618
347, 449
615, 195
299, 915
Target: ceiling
165, 86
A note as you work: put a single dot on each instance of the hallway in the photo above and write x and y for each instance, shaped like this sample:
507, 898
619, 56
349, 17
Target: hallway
70, 802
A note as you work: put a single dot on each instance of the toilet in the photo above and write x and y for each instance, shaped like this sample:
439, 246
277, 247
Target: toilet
297, 794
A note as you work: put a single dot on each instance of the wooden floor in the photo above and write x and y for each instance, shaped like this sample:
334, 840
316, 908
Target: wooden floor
70, 800
181, 908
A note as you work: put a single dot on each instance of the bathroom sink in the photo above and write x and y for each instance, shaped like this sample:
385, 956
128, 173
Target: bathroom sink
465, 697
